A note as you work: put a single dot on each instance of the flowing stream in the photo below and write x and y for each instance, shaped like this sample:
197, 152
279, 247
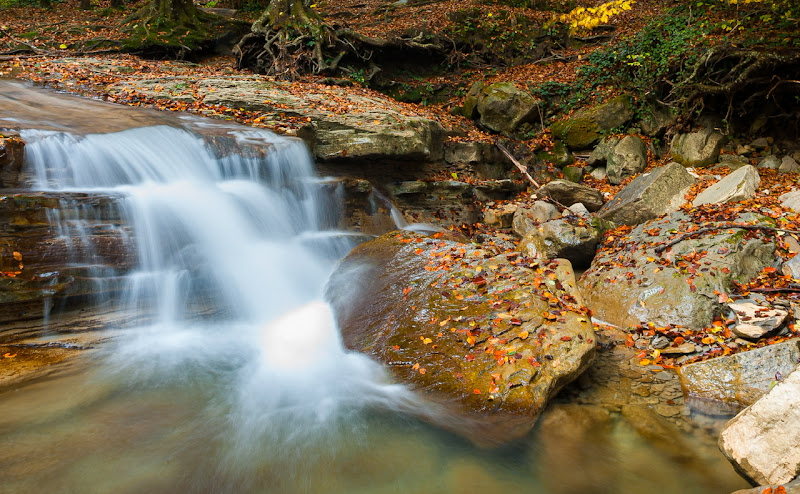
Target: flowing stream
238, 381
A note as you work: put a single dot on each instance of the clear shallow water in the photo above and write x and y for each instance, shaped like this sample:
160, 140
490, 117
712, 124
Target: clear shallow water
240, 383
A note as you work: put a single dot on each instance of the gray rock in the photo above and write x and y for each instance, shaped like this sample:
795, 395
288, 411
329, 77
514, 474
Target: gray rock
789, 165
599, 173
500, 216
568, 193
760, 143
649, 196
586, 127
770, 162
791, 200
742, 378
739, 185
629, 283
763, 442
754, 321
575, 241
528, 219
601, 152
733, 161
503, 107
573, 173
578, 209
627, 158
697, 149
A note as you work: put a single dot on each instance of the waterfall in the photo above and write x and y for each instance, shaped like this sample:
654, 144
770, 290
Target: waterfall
226, 267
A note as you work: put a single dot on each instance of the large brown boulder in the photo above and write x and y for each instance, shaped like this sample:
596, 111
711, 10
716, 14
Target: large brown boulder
490, 337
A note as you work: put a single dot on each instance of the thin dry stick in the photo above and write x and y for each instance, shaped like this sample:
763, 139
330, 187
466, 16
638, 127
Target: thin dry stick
516, 163
662, 248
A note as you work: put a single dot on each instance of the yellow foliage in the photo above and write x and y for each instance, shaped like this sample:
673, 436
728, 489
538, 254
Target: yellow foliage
586, 19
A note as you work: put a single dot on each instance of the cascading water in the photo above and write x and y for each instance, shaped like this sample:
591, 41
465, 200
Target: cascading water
226, 269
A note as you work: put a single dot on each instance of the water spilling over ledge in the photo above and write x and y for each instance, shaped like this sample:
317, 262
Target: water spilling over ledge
230, 375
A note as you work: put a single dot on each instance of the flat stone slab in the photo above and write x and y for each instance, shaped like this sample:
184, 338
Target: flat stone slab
342, 124
763, 442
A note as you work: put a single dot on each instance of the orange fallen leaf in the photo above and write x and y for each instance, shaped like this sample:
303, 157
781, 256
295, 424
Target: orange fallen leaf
17, 256
523, 335
9, 355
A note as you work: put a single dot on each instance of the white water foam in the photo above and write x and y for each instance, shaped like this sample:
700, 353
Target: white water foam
227, 237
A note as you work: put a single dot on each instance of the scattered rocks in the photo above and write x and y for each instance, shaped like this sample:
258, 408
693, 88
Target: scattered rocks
697, 149
528, 219
739, 185
763, 442
770, 162
569, 193
573, 240
649, 196
742, 378
789, 165
586, 127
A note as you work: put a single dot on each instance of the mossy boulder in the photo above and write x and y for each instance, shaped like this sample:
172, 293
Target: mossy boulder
631, 281
586, 127
501, 107
489, 337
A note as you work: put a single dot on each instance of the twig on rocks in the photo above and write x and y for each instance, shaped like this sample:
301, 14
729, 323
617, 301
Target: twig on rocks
662, 248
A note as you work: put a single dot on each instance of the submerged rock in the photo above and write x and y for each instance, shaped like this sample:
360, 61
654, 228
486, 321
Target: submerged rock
490, 337
740, 379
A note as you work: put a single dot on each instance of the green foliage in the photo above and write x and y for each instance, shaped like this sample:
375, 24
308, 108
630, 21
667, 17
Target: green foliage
491, 37
556, 5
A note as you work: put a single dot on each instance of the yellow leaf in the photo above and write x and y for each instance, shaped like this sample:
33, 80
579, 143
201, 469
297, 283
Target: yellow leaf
426, 341
523, 335
62, 46
644, 362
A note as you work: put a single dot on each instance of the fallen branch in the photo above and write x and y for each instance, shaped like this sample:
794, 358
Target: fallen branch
662, 248
516, 163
